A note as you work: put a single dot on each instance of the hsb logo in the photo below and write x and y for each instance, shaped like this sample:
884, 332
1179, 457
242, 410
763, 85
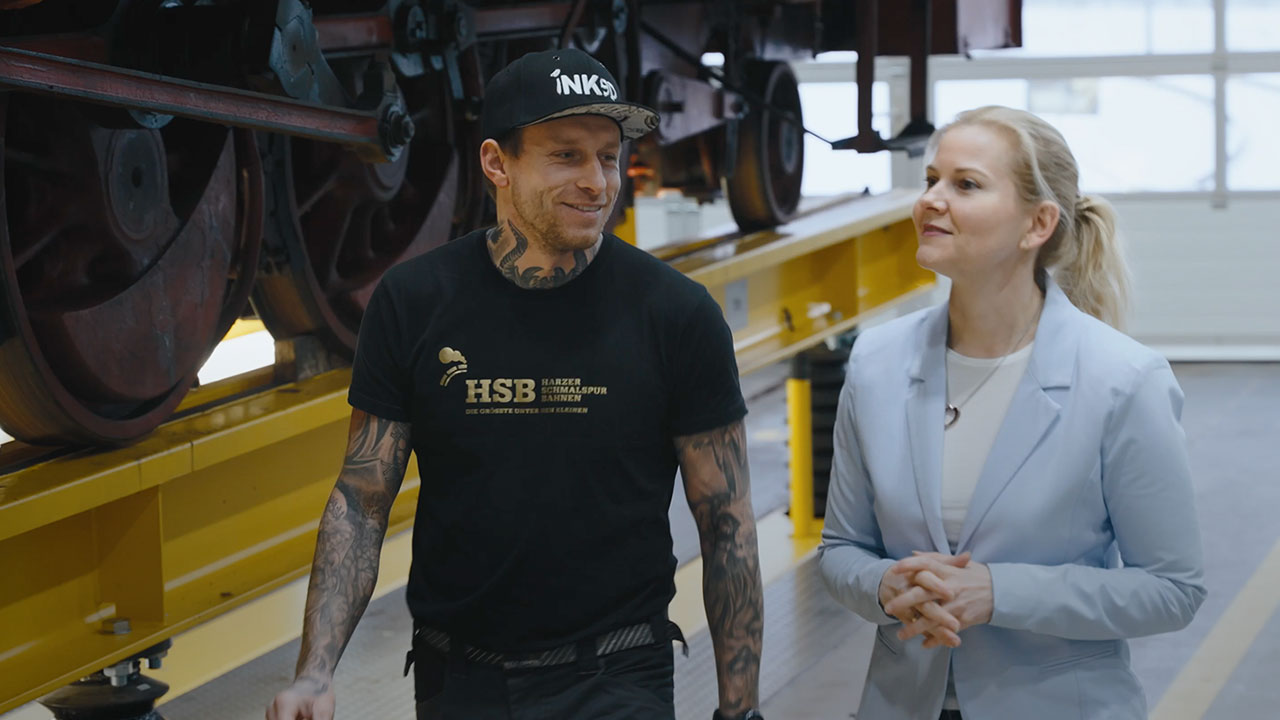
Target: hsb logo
501, 390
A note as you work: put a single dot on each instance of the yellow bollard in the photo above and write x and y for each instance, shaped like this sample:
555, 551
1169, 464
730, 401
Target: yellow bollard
800, 422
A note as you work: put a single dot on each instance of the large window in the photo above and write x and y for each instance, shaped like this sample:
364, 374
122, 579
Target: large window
831, 110
1253, 137
1120, 145
1253, 25
1115, 27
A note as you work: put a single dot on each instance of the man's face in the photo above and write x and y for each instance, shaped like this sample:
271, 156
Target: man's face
565, 180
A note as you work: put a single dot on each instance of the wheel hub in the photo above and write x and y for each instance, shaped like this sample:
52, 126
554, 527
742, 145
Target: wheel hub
789, 145
384, 179
137, 182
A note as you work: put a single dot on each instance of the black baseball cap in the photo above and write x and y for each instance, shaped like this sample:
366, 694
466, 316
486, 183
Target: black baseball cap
552, 84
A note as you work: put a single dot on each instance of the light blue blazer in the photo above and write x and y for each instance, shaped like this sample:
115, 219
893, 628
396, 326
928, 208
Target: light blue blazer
1084, 513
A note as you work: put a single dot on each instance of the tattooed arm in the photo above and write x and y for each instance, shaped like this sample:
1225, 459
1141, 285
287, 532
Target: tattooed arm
345, 568
714, 467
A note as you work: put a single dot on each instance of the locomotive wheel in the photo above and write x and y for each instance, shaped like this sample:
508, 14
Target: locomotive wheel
764, 189
125, 256
335, 224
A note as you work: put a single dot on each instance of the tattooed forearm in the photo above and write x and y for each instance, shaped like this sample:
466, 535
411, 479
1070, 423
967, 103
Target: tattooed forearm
349, 543
714, 466
533, 277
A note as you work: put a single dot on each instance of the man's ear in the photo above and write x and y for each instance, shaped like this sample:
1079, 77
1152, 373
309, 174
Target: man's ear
493, 163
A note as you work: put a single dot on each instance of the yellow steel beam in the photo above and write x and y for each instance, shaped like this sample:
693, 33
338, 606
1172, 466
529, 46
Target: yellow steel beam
208, 513
220, 506
788, 289
244, 327
227, 642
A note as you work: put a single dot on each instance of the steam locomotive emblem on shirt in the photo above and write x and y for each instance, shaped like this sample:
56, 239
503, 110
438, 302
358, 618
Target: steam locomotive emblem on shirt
456, 361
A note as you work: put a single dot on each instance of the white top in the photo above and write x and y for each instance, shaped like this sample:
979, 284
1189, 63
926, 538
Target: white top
966, 444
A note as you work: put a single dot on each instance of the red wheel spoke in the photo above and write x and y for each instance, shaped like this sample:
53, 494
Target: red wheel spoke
329, 224
320, 191
358, 247
37, 162
53, 222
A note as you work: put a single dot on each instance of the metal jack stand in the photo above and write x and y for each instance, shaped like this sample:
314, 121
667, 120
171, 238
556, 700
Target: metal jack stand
119, 692
915, 135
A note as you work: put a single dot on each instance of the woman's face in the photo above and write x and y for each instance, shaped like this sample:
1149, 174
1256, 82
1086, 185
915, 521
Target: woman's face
970, 220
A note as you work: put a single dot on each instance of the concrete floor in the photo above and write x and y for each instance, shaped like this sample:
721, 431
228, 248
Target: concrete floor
1223, 665
1232, 421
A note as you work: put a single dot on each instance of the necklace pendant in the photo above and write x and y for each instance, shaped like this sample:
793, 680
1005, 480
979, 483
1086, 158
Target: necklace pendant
951, 416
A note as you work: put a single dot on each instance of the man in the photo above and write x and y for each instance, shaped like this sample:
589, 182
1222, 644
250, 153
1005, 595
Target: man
550, 378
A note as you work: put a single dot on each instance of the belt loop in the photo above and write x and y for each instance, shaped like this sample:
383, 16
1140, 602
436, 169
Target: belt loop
413, 645
658, 626
587, 661
664, 631
675, 633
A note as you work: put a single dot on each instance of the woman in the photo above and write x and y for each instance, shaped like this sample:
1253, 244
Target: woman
1010, 497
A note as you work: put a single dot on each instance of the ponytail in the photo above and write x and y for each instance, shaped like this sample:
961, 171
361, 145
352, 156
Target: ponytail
1088, 263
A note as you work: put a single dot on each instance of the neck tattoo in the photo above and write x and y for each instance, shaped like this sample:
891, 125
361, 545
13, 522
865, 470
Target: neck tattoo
531, 278
952, 414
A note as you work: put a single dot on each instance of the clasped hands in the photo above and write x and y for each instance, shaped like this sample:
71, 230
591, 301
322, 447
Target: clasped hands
937, 596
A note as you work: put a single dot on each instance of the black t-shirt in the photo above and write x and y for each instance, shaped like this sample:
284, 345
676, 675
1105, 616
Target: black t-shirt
543, 422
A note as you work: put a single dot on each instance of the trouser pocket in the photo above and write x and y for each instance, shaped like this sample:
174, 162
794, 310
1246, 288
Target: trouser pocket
430, 668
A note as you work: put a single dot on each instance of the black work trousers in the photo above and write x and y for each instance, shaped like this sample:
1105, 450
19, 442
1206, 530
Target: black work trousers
633, 684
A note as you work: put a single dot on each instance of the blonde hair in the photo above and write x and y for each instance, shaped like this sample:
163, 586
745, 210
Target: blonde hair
1084, 253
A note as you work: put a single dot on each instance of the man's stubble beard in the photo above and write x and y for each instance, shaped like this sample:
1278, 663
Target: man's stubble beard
537, 223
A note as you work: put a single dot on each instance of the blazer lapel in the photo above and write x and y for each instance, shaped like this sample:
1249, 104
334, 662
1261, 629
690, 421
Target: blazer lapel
926, 401
1032, 413
1030, 416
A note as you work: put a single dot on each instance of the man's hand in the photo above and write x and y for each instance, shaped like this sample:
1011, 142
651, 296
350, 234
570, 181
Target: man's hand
961, 588
305, 699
